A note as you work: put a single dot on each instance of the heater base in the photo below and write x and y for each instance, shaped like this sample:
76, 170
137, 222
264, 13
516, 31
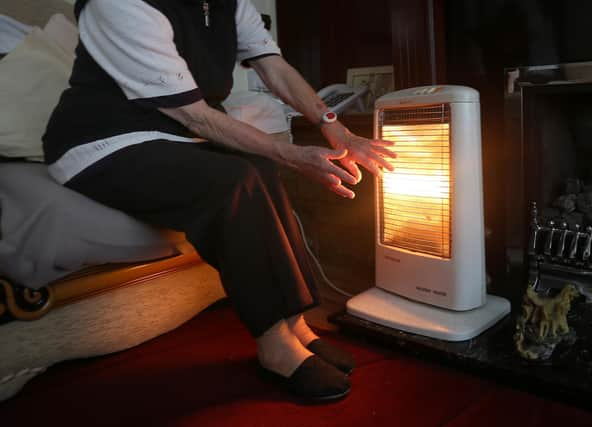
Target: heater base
385, 308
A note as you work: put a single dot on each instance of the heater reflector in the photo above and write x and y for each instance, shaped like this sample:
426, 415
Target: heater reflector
415, 199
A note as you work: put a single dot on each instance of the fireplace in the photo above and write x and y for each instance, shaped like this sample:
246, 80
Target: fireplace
548, 147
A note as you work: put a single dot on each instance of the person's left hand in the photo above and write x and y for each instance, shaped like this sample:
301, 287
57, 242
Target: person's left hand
371, 154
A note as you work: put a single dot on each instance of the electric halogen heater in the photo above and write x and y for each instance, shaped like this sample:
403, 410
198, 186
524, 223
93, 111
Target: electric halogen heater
430, 248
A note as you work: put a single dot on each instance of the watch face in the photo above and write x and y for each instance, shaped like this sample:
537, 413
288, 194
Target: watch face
329, 117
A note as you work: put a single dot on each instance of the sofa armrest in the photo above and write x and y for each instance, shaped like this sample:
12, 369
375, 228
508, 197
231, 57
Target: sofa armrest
21, 303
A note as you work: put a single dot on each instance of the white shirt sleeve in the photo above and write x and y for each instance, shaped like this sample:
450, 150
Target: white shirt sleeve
253, 39
133, 42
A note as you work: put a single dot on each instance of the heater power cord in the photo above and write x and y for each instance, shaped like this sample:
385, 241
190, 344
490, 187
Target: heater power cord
316, 261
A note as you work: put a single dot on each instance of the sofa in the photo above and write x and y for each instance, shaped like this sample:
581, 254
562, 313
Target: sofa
77, 279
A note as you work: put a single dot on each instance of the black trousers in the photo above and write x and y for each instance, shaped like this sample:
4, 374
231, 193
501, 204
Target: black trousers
233, 209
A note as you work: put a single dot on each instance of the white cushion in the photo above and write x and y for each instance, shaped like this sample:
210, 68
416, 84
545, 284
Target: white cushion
61, 31
32, 78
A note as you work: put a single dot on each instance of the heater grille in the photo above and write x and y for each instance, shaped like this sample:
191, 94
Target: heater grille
415, 198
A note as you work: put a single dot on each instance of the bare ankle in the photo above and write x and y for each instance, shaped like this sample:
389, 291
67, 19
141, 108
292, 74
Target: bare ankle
281, 351
300, 328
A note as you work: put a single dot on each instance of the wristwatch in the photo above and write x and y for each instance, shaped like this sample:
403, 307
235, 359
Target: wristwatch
328, 117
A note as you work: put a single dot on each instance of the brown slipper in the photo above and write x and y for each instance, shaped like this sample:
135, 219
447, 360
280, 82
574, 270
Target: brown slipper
314, 380
341, 359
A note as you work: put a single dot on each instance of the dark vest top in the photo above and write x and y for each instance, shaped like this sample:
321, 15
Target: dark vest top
95, 107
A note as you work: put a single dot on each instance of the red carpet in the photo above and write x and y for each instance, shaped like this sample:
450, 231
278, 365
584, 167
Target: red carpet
204, 374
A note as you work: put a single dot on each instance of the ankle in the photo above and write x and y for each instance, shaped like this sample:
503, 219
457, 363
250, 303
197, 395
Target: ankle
301, 330
278, 350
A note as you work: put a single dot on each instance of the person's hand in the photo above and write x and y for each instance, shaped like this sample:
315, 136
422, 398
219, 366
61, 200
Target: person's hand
316, 163
371, 154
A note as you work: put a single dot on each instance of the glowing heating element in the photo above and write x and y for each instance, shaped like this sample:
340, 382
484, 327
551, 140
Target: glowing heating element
415, 198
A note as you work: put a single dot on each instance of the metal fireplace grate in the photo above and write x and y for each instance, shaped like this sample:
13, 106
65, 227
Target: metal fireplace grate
415, 199
559, 254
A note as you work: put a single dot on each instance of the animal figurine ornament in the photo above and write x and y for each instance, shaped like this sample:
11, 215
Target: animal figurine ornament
543, 323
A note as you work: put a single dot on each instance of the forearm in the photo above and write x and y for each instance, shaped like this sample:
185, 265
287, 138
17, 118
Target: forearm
284, 81
290, 86
314, 162
212, 125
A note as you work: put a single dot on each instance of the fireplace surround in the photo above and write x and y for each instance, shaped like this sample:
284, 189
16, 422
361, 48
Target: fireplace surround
548, 147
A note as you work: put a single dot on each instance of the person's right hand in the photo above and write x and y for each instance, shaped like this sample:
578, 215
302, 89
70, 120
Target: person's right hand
316, 163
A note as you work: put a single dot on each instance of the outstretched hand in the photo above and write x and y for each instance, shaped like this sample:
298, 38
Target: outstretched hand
371, 154
350, 150
317, 163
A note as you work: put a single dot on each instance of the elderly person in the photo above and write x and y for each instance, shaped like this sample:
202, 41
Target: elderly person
141, 129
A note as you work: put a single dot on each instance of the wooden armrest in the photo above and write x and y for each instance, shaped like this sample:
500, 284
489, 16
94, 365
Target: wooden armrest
20, 303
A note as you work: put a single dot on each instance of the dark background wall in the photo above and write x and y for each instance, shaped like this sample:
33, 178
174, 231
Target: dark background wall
475, 38
322, 39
